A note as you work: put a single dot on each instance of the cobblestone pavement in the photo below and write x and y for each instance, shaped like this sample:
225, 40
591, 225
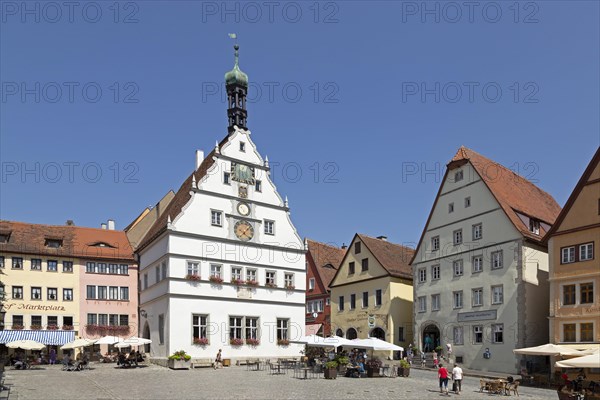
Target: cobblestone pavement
105, 381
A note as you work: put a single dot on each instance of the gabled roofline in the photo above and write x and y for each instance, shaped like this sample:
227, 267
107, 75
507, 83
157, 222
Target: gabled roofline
574, 195
343, 261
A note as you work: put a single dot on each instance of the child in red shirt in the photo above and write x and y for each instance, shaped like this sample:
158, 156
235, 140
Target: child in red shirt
443, 375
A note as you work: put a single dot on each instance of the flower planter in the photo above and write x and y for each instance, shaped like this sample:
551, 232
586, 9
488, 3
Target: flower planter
330, 373
372, 372
403, 372
226, 362
180, 364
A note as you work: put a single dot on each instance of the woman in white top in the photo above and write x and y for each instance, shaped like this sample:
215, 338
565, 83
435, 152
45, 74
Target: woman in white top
457, 375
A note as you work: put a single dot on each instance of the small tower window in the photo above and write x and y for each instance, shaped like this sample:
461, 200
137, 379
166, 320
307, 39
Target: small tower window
53, 243
458, 176
242, 147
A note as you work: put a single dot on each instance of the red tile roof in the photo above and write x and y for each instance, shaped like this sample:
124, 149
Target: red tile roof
323, 255
77, 241
514, 193
395, 258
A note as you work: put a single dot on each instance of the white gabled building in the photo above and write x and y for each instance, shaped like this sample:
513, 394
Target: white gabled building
223, 262
481, 269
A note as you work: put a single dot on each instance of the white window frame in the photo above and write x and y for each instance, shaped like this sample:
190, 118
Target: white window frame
497, 295
269, 227
288, 279
258, 186
457, 237
458, 335
477, 230
422, 272
227, 178
435, 272
477, 264
237, 273
435, 243
422, 303
497, 259
311, 284
193, 268
458, 175
216, 218
458, 268
567, 255
477, 297
477, 329
251, 274
586, 251
497, 329
236, 327
435, 302
457, 299
216, 270
270, 277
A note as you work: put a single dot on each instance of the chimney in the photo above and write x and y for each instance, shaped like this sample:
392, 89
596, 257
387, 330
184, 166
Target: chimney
384, 238
199, 158
111, 224
103, 225
70, 222
344, 247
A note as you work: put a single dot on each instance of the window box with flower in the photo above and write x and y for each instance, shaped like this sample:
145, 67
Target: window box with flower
67, 327
236, 342
251, 282
252, 342
17, 327
52, 327
290, 287
193, 277
283, 342
201, 341
35, 327
180, 360
216, 279
237, 282
270, 285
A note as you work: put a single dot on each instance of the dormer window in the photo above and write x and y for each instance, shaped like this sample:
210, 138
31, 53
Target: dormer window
534, 226
4, 237
102, 244
243, 147
54, 243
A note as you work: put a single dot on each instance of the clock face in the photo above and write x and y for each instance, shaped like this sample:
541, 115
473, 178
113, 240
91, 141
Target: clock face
243, 230
243, 208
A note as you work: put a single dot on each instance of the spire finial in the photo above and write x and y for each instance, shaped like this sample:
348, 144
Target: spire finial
267, 161
236, 47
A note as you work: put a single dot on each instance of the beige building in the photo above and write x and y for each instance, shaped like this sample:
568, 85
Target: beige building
371, 293
574, 267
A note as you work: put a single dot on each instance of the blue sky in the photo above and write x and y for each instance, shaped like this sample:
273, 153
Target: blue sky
105, 105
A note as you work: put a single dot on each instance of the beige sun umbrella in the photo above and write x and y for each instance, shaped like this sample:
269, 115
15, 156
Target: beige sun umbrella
547, 350
77, 343
26, 345
591, 361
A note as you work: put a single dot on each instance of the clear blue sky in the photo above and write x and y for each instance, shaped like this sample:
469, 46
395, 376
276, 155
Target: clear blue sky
361, 119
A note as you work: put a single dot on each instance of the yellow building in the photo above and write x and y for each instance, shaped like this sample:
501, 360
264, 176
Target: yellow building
372, 292
574, 265
41, 283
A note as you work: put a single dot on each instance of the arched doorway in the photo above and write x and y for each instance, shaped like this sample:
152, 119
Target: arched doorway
146, 335
339, 332
377, 333
351, 334
430, 338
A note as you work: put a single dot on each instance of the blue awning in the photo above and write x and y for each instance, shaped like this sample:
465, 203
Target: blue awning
56, 338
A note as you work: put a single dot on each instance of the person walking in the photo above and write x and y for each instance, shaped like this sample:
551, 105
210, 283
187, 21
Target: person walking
443, 376
218, 360
457, 376
52, 356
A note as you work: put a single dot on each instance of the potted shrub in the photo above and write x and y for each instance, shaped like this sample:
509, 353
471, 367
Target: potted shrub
438, 350
404, 368
180, 360
192, 277
216, 279
342, 361
373, 366
330, 370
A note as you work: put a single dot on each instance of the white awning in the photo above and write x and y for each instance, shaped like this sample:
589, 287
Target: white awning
54, 338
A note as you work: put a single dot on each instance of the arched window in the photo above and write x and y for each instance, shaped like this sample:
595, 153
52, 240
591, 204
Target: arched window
351, 334
339, 332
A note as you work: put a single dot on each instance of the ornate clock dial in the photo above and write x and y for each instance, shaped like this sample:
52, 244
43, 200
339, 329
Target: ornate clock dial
243, 208
243, 230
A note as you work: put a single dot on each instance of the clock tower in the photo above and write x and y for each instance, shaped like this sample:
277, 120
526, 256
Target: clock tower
236, 84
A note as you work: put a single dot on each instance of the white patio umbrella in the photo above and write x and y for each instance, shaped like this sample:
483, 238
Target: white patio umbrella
133, 341
77, 343
109, 340
591, 361
547, 350
26, 345
313, 340
375, 344
336, 341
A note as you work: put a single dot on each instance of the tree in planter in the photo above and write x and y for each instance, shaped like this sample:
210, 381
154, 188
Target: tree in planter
404, 368
330, 371
373, 366
342, 361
